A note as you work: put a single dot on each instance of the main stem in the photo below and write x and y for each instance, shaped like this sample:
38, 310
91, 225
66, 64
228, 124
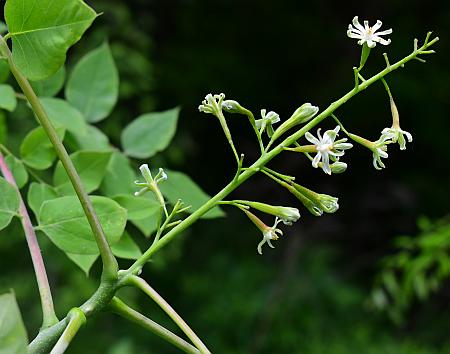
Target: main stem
267, 157
110, 266
48, 312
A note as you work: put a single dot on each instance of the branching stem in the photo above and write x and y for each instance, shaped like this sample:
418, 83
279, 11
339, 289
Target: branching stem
267, 157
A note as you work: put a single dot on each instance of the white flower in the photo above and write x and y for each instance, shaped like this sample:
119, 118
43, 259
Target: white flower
327, 148
265, 123
379, 149
368, 34
150, 183
396, 135
269, 234
212, 104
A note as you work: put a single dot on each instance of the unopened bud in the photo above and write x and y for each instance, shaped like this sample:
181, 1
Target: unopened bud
338, 167
302, 114
232, 106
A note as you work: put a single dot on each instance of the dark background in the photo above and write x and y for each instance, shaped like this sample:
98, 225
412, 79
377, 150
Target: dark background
310, 294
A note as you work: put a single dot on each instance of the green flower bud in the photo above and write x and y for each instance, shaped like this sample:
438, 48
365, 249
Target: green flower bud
232, 106
302, 114
286, 214
338, 167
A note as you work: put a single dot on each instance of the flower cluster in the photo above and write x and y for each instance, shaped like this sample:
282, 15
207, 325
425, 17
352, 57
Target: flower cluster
212, 104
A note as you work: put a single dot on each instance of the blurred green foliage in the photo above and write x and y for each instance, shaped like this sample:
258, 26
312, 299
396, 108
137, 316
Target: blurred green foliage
419, 267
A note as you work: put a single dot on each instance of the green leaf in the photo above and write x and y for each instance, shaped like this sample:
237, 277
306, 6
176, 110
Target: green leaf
51, 86
18, 170
13, 336
180, 186
93, 86
138, 208
150, 133
119, 178
8, 99
84, 261
62, 114
4, 70
36, 149
148, 225
38, 193
91, 167
64, 222
126, 248
43, 30
9, 203
92, 139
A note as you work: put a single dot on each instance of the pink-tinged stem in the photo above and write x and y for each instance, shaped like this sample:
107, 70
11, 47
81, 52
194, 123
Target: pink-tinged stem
48, 311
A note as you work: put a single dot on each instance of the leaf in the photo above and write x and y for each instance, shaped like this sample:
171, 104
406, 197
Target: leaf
8, 99
63, 221
51, 86
148, 225
9, 203
36, 149
13, 336
150, 133
93, 86
92, 139
126, 248
91, 167
138, 208
4, 70
18, 170
62, 114
84, 261
43, 30
38, 193
119, 177
180, 186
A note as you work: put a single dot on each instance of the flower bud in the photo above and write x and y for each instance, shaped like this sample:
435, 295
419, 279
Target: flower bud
232, 106
287, 215
338, 167
302, 114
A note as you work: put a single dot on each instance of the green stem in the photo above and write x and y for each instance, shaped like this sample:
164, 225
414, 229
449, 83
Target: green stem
153, 294
267, 157
110, 267
128, 313
48, 311
252, 121
76, 320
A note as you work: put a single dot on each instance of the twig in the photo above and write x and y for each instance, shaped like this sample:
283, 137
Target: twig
127, 312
